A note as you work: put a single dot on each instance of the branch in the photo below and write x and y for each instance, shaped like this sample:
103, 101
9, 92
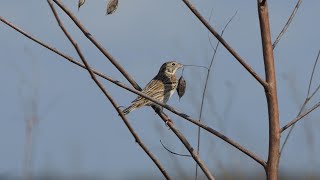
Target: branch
224, 43
271, 93
134, 134
185, 142
166, 119
292, 122
286, 26
97, 44
215, 49
212, 131
263, 2
184, 155
307, 99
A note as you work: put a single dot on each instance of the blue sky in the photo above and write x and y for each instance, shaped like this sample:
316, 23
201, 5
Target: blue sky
80, 133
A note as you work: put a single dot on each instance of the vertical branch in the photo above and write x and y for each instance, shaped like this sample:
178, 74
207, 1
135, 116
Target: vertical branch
28, 151
271, 93
215, 49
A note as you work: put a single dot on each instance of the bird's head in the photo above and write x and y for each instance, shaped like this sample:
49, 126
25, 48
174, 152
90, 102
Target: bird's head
170, 67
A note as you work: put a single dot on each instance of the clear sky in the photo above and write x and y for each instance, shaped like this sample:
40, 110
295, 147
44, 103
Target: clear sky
79, 132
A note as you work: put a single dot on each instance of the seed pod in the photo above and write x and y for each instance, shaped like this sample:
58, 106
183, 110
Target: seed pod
80, 3
181, 89
112, 6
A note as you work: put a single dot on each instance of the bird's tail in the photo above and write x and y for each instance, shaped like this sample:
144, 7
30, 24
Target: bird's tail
129, 109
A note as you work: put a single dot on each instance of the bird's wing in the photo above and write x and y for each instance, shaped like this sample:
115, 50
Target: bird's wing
155, 88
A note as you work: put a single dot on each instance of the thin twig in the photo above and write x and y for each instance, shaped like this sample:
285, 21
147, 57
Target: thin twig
178, 154
134, 134
207, 128
307, 99
312, 74
185, 142
215, 49
286, 26
211, 44
295, 120
31, 122
224, 43
185, 65
97, 44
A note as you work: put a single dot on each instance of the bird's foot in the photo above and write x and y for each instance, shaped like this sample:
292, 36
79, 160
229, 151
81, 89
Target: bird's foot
169, 121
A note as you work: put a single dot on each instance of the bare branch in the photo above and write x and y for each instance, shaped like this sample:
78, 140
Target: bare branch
292, 122
311, 78
307, 99
286, 26
263, 2
184, 155
271, 93
224, 43
211, 44
212, 131
134, 134
168, 121
215, 49
185, 142
97, 44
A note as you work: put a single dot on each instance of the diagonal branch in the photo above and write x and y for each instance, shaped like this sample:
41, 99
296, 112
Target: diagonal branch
286, 26
166, 119
306, 101
295, 120
97, 44
224, 43
207, 128
193, 153
125, 120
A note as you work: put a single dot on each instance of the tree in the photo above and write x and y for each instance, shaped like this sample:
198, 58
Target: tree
266, 83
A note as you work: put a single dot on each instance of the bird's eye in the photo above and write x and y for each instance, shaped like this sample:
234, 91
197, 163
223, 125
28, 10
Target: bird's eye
173, 64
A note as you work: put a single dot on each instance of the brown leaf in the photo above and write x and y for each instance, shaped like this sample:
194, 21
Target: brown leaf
181, 89
80, 3
112, 6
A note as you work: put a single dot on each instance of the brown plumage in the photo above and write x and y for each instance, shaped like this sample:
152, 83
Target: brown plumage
161, 87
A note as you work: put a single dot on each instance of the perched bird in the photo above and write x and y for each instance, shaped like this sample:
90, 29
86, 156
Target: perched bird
161, 87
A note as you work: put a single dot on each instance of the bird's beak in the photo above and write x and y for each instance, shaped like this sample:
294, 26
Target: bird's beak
180, 65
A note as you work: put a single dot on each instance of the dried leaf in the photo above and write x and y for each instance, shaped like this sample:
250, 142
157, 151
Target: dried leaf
80, 3
112, 6
181, 89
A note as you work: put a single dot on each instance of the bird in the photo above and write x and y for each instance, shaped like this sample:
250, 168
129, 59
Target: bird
161, 87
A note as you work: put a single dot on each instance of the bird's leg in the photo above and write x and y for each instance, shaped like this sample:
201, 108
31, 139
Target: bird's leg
159, 109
